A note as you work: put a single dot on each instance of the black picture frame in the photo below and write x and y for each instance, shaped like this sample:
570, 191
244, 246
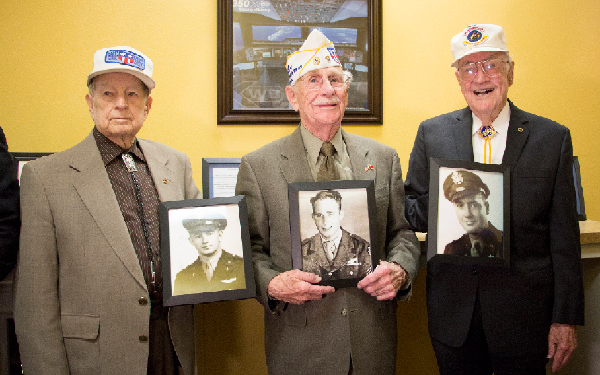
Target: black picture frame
21, 158
177, 252
224, 181
581, 216
251, 70
446, 241
359, 223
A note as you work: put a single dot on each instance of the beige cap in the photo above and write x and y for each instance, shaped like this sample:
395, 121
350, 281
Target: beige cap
123, 59
477, 38
317, 52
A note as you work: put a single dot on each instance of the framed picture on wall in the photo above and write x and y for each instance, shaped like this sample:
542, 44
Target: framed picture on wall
205, 251
469, 212
255, 37
219, 177
333, 230
21, 158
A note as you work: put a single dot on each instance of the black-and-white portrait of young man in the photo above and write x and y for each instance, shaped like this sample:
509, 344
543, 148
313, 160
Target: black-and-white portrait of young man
335, 252
475, 235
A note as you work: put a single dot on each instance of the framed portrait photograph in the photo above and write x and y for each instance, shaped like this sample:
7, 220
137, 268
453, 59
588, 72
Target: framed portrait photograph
469, 212
21, 158
205, 251
255, 38
333, 230
219, 177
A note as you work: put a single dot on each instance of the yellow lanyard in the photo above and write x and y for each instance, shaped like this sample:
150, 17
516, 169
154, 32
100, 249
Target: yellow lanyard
487, 133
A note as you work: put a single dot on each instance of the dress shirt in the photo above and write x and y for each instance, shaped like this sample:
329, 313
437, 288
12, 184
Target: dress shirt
312, 145
498, 142
161, 359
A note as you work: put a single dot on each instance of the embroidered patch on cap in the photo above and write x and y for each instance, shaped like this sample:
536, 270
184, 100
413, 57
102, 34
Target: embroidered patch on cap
474, 36
125, 57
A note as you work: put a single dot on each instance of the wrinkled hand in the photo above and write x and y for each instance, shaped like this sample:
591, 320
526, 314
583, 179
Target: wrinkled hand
297, 287
385, 281
562, 341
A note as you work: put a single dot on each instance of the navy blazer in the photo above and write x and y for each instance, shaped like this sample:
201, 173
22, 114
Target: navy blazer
543, 284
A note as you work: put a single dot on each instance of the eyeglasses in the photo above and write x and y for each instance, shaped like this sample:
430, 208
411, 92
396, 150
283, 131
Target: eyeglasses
315, 82
491, 67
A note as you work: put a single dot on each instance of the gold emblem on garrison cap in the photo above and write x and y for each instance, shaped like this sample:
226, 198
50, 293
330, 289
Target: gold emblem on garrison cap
463, 182
316, 61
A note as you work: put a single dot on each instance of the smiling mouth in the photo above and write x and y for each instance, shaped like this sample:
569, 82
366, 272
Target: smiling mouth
483, 92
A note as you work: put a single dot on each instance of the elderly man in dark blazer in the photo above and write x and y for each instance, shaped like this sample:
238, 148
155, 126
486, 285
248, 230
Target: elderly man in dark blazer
506, 320
89, 287
313, 329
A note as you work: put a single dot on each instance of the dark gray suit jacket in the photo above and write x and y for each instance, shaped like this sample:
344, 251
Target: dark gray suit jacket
543, 284
318, 337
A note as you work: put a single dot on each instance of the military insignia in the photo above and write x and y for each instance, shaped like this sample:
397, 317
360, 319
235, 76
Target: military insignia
316, 61
328, 58
353, 262
475, 36
457, 177
333, 54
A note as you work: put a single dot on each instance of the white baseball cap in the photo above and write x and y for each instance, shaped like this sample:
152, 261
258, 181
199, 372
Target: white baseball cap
317, 52
477, 38
123, 59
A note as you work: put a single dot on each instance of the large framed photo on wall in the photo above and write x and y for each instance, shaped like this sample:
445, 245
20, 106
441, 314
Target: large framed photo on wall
334, 230
469, 212
255, 37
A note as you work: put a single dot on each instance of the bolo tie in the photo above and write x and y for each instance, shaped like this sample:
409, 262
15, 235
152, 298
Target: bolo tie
131, 168
487, 133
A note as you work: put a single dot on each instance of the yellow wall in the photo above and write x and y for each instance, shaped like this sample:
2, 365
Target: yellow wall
46, 52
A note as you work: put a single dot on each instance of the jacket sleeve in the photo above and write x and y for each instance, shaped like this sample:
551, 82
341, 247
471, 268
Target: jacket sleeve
401, 242
10, 221
565, 248
37, 307
416, 185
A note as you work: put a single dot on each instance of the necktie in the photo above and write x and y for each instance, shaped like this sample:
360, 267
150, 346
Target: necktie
327, 171
331, 250
476, 250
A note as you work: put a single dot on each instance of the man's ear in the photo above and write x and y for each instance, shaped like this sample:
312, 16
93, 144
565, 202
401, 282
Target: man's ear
90, 104
292, 98
148, 105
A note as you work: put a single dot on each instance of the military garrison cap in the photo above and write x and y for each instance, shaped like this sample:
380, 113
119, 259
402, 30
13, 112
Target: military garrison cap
205, 222
459, 182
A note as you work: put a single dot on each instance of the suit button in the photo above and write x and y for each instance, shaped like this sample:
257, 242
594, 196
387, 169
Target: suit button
143, 301
474, 272
143, 338
344, 312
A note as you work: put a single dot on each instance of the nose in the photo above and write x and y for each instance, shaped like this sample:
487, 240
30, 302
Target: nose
326, 87
480, 76
121, 100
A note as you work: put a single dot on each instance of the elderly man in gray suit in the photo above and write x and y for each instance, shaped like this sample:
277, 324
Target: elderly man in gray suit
89, 286
310, 328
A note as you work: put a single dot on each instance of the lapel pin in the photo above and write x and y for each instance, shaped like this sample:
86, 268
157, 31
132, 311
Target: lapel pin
520, 130
369, 167
164, 181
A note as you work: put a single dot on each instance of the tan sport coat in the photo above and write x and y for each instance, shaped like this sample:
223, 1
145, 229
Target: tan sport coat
81, 302
319, 337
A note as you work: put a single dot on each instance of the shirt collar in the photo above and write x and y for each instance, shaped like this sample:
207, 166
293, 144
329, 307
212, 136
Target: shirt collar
500, 124
313, 144
110, 150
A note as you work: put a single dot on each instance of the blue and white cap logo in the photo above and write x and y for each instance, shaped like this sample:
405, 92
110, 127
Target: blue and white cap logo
126, 58
123, 59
